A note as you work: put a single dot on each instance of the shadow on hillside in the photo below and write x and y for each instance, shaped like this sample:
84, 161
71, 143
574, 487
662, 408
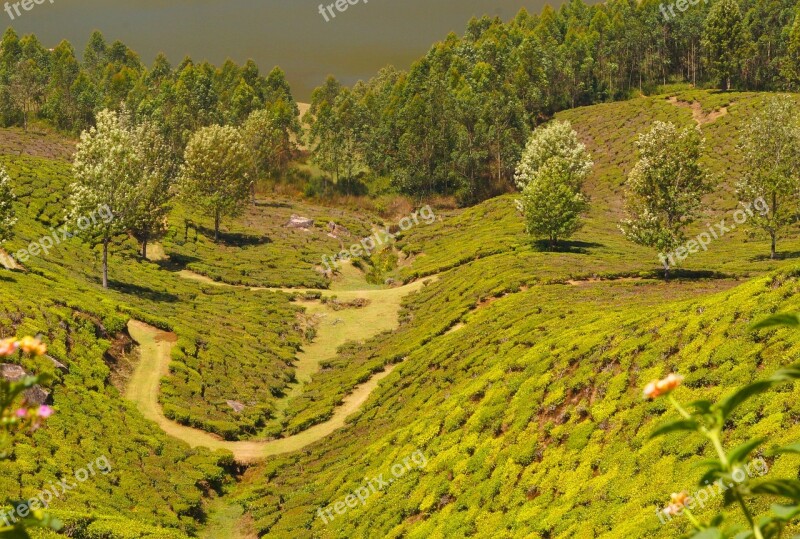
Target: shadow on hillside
233, 239
785, 255
272, 204
688, 275
573, 247
142, 292
176, 262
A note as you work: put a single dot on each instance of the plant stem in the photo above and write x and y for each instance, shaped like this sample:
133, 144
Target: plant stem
676, 404
692, 519
756, 530
714, 436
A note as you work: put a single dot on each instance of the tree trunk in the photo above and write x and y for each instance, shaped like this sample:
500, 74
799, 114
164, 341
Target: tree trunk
105, 262
773, 249
666, 270
144, 245
216, 226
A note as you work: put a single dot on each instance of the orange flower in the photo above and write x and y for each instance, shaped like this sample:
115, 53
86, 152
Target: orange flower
656, 388
678, 502
8, 347
31, 345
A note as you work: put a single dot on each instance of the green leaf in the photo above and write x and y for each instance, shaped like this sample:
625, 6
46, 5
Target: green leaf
702, 406
747, 534
711, 475
729, 404
785, 512
741, 452
787, 374
787, 320
674, 426
788, 488
15, 534
791, 448
710, 533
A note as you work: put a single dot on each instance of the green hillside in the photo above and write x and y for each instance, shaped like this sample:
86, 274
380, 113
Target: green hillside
518, 373
523, 369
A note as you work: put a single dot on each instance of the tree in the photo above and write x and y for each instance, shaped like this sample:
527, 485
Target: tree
770, 145
215, 175
555, 140
156, 174
271, 136
262, 138
665, 188
791, 62
106, 169
553, 202
27, 88
725, 41
7, 217
324, 129
95, 56
550, 174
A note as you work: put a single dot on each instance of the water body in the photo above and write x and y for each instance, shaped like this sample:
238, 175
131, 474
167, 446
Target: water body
289, 33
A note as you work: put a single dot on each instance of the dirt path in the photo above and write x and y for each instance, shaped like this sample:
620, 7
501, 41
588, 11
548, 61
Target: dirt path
700, 117
336, 328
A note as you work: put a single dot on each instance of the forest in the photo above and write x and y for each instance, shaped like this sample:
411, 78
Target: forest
456, 122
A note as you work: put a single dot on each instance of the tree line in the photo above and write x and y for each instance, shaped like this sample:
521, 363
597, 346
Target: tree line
458, 120
203, 134
53, 84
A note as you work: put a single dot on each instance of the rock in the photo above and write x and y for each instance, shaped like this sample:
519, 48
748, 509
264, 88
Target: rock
57, 364
300, 222
13, 373
36, 395
335, 230
236, 406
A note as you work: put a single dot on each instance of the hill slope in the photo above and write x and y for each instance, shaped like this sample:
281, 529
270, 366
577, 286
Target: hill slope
517, 385
523, 369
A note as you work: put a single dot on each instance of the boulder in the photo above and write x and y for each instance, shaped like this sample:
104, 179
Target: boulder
300, 222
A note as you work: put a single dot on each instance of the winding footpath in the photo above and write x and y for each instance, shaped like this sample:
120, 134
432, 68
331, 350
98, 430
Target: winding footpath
380, 314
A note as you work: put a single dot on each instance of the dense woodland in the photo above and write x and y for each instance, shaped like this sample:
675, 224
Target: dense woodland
455, 123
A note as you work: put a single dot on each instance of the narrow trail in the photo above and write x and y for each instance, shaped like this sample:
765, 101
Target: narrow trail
336, 328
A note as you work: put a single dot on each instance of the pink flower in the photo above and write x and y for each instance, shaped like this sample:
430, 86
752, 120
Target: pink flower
33, 346
678, 502
22, 412
44, 411
8, 347
656, 388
